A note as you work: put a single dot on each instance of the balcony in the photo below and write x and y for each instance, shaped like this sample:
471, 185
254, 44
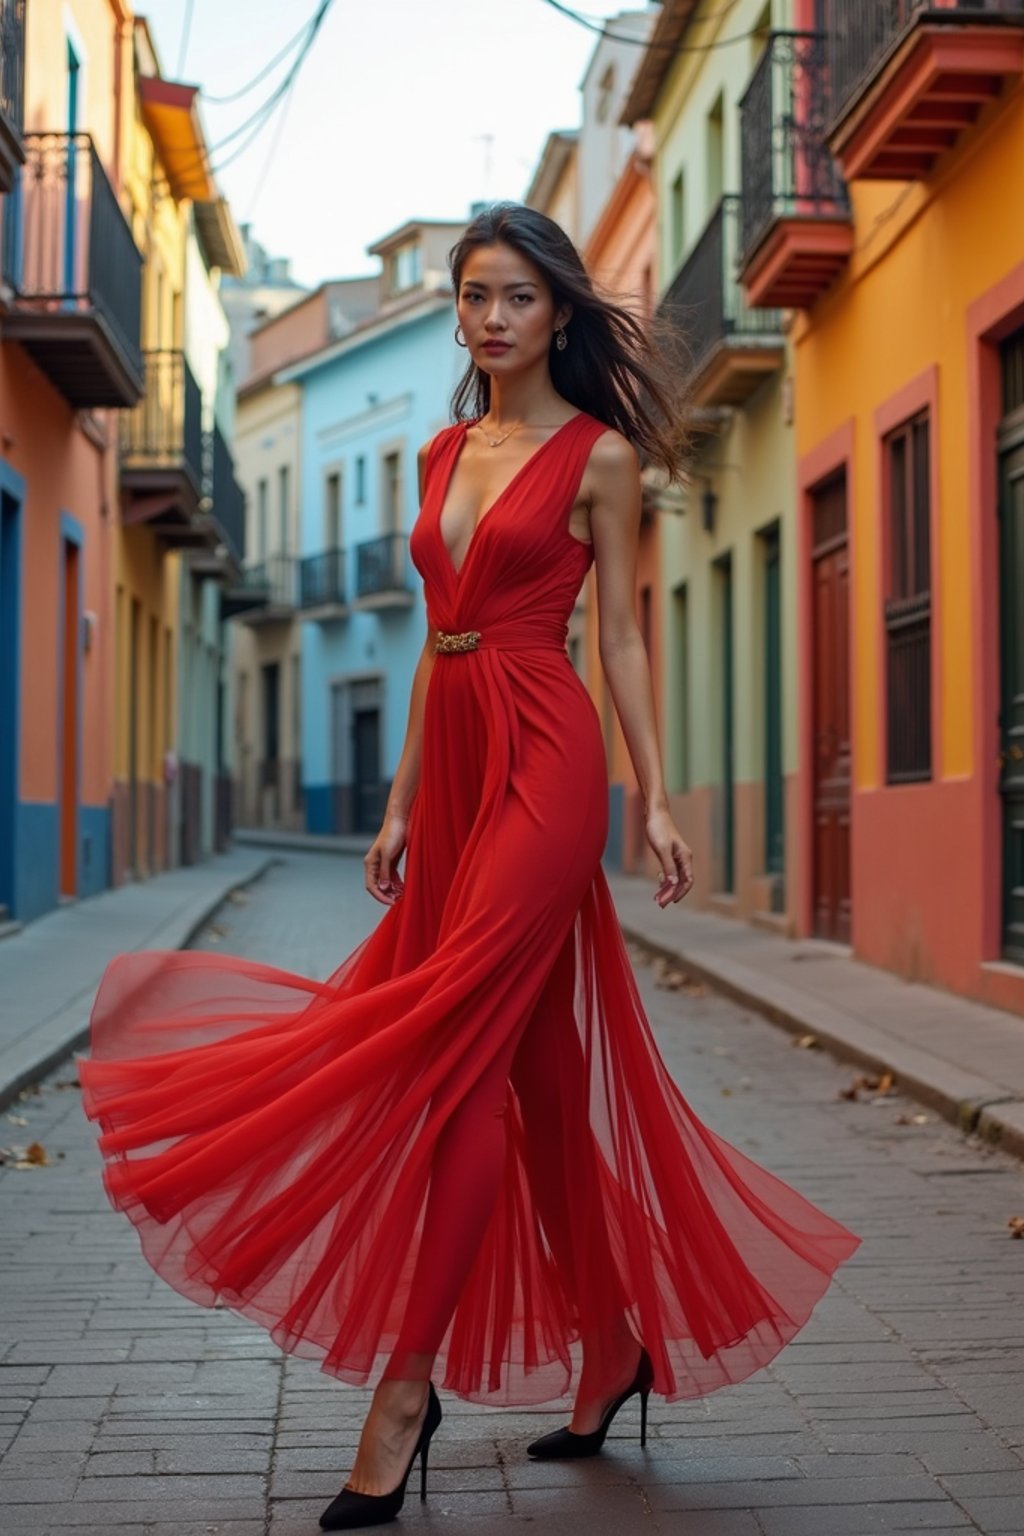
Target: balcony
266, 592
322, 585
797, 231
909, 77
74, 272
732, 347
222, 517
162, 452
12, 88
382, 572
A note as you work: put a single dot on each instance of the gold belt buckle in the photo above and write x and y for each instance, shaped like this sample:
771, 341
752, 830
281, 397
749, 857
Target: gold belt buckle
468, 640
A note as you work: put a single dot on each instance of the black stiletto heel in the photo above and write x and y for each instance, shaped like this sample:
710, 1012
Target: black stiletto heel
351, 1510
564, 1442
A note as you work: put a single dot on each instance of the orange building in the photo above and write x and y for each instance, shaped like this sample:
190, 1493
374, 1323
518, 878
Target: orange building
909, 405
69, 357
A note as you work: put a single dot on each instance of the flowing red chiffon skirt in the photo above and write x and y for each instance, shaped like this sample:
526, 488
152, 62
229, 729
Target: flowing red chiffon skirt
465, 1138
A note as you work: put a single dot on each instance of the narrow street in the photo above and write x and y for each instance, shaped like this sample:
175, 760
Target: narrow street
128, 1411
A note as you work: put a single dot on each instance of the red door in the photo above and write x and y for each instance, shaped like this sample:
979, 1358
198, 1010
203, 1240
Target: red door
831, 711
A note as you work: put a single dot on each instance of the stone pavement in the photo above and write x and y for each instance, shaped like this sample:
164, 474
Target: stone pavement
50, 969
128, 1411
962, 1058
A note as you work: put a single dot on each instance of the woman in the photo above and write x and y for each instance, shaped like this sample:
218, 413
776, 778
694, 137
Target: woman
462, 1154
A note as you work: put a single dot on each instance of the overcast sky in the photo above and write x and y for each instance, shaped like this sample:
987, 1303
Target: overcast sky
386, 119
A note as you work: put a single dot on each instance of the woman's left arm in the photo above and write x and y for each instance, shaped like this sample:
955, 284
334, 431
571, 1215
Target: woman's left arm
615, 501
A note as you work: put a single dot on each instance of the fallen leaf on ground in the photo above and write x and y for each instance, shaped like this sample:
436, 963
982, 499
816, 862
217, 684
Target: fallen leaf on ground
871, 1083
805, 1042
1016, 1226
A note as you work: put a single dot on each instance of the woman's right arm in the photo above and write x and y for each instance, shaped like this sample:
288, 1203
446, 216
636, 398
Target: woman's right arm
381, 877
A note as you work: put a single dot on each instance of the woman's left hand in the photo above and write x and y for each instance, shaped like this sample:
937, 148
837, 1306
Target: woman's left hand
674, 856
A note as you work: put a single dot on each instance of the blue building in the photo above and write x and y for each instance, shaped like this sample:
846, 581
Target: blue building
369, 400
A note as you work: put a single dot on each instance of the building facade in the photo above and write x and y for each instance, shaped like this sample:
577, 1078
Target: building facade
97, 496
727, 547
267, 639
369, 400
909, 405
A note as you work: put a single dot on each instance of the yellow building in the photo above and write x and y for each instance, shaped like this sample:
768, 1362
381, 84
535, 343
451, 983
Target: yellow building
909, 407
163, 445
726, 545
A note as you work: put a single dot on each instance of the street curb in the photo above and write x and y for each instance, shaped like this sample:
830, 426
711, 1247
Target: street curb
350, 844
77, 1033
972, 1103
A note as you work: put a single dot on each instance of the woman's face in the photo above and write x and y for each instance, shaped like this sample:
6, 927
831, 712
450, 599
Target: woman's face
506, 310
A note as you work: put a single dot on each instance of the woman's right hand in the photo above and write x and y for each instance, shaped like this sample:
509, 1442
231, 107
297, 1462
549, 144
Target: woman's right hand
382, 879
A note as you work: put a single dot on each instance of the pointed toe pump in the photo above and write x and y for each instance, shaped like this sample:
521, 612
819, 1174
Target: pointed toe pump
564, 1443
351, 1510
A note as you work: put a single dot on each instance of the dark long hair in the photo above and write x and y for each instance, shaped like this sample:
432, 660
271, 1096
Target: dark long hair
613, 368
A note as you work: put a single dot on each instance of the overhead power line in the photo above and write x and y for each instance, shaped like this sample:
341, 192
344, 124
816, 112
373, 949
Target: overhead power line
601, 29
186, 32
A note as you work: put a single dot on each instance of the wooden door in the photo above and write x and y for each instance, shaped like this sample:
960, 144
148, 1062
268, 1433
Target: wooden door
366, 767
774, 814
830, 726
10, 648
69, 721
1011, 636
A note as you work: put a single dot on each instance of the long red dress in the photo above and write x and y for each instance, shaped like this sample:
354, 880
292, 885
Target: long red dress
465, 1138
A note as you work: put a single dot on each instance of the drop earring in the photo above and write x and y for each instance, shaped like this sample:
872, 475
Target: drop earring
561, 339
458, 342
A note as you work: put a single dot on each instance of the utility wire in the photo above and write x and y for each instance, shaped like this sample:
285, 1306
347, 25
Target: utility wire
674, 51
186, 32
250, 85
257, 120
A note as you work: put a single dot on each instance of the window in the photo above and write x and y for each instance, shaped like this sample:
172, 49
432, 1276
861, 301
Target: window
262, 513
679, 715
391, 508
716, 154
677, 217
405, 267
908, 601
605, 94
332, 510
360, 480
283, 498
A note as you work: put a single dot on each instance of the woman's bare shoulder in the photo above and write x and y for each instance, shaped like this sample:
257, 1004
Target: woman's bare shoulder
614, 452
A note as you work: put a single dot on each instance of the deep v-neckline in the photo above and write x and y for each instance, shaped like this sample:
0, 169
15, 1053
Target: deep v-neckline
446, 485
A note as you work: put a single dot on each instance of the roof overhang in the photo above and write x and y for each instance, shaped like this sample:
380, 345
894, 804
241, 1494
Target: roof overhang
559, 148
171, 113
419, 308
218, 235
658, 58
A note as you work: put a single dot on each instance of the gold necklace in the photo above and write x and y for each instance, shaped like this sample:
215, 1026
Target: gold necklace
496, 442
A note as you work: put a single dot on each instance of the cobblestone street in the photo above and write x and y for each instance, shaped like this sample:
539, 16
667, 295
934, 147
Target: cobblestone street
128, 1411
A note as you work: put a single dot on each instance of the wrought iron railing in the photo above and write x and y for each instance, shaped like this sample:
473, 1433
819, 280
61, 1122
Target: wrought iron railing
322, 578
276, 576
165, 429
12, 61
861, 34
382, 565
67, 245
228, 496
787, 167
705, 301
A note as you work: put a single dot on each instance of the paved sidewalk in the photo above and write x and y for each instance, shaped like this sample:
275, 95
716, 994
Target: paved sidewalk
965, 1060
50, 969
125, 1410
